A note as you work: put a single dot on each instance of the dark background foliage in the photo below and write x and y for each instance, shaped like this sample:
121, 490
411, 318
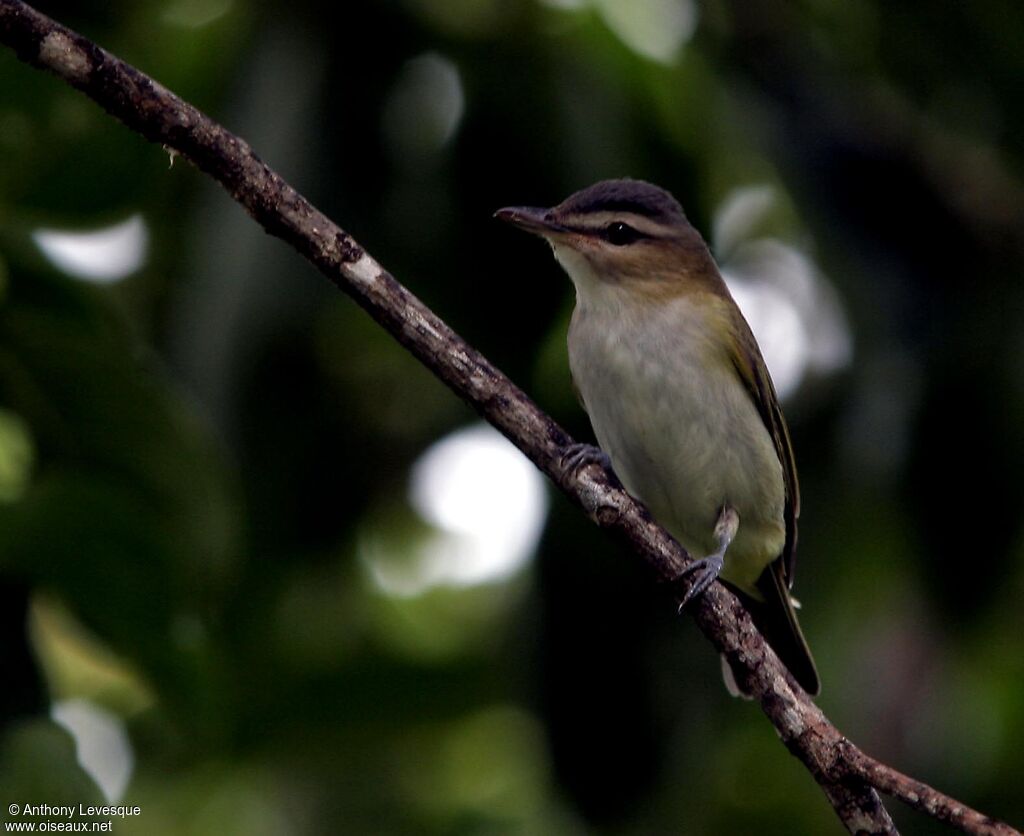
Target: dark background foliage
210, 562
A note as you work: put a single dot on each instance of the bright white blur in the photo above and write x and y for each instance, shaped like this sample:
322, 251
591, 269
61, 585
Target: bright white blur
102, 256
101, 743
793, 309
424, 107
486, 505
654, 29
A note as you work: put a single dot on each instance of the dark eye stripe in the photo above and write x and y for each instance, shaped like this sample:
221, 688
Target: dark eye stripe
619, 234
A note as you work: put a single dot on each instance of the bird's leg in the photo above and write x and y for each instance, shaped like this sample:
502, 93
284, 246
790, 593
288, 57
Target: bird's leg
708, 568
578, 456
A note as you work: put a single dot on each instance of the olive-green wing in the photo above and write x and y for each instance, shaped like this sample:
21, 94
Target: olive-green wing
754, 374
775, 616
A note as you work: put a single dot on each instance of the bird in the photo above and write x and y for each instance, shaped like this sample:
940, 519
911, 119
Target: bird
679, 397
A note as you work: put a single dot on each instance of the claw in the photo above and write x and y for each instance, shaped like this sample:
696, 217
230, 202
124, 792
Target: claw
705, 570
578, 456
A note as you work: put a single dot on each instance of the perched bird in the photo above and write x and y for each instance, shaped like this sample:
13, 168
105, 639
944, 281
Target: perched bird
678, 394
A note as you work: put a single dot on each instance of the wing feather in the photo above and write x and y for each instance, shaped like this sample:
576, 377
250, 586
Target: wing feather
753, 372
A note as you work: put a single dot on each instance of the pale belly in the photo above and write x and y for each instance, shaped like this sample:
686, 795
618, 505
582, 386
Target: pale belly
684, 442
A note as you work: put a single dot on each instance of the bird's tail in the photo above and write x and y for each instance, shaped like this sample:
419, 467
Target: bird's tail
775, 617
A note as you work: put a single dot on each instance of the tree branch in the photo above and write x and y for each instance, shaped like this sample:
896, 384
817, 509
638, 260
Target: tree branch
848, 777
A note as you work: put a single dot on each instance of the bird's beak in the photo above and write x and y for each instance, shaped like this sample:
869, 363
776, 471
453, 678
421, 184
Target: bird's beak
532, 219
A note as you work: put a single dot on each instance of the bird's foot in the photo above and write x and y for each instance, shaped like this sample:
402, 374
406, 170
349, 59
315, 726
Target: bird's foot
703, 572
707, 569
577, 456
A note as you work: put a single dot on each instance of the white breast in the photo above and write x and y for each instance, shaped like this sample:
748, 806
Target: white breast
683, 433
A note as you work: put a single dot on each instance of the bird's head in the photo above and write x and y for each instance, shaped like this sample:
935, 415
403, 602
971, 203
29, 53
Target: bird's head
625, 233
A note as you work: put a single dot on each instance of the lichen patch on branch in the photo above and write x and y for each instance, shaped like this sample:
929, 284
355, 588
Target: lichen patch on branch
65, 57
365, 268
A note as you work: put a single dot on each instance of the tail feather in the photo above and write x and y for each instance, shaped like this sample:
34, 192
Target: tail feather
775, 617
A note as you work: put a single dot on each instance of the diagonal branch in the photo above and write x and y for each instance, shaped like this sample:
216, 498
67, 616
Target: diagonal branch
848, 777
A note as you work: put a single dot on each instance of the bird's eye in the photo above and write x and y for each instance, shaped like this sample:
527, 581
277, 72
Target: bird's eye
620, 234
